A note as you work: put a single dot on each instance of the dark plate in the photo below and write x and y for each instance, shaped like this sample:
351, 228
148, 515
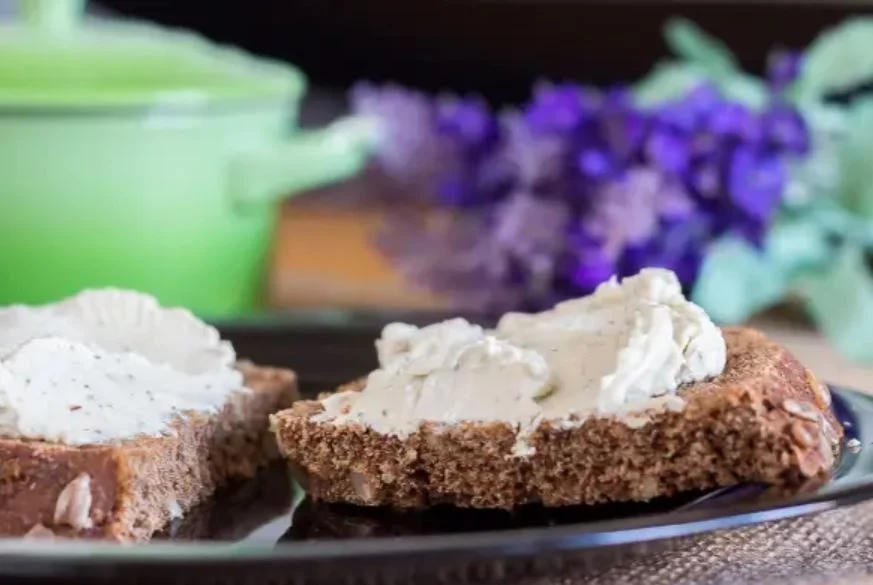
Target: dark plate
265, 531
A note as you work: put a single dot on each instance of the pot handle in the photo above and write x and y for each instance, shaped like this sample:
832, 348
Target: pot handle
309, 159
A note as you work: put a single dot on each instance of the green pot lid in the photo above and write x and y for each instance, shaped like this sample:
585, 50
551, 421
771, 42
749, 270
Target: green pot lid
52, 57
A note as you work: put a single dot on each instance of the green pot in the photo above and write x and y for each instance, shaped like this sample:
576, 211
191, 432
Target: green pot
136, 157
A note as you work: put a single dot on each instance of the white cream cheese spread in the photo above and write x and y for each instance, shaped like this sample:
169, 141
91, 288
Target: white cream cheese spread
626, 348
108, 365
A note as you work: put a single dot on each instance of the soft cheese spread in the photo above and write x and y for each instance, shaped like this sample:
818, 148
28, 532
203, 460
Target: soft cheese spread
107, 365
626, 348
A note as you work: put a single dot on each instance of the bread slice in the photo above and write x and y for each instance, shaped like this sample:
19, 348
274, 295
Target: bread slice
766, 418
130, 490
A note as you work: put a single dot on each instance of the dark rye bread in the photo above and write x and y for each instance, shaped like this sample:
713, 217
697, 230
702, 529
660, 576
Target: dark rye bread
766, 418
136, 486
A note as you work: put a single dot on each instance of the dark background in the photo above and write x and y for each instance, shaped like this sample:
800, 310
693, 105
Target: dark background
494, 47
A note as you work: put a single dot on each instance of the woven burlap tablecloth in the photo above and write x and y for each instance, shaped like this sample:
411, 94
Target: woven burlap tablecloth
832, 548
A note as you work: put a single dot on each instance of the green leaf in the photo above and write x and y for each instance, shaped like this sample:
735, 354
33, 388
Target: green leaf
825, 117
745, 89
666, 82
855, 156
818, 175
840, 301
736, 281
838, 60
797, 245
671, 80
690, 42
706, 59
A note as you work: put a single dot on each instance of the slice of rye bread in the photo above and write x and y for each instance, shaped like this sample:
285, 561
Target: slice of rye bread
766, 418
135, 487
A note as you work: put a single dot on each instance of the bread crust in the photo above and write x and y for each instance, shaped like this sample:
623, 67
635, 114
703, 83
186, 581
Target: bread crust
766, 418
138, 485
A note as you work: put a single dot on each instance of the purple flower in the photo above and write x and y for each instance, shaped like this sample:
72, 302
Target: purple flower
732, 120
588, 268
530, 159
704, 145
585, 264
410, 150
628, 211
469, 122
622, 126
668, 149
558, 108
679, 245
580, 185
702, 101
451, 254
443, 150
785, 129
526, 226
750, 229
597, 164
531, 231
704, 179
500, 263
783, 67
677, 117
456, 189
472, 133
686, 264
755, 183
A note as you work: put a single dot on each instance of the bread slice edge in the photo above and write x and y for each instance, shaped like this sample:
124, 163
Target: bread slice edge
130, 490
766, 418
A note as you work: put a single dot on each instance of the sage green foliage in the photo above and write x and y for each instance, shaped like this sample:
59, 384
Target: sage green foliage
819, 247
700, 58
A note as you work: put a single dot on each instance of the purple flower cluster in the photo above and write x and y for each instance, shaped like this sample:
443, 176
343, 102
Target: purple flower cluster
546, 202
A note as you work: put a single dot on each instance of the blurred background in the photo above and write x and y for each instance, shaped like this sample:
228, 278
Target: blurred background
504, 155
496, 48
